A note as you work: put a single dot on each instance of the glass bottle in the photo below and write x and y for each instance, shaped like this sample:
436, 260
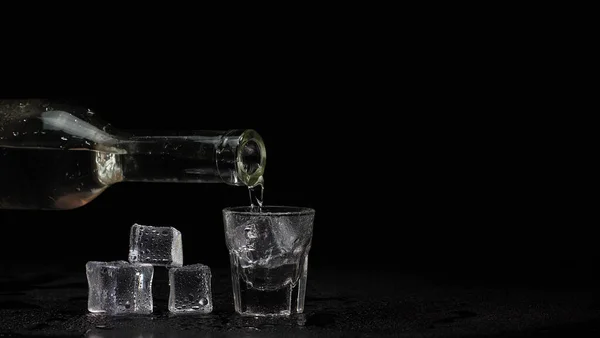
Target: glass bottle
58, 157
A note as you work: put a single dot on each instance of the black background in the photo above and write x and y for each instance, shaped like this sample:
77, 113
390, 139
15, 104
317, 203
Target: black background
455, 171
435, 154
452, 184
434, 145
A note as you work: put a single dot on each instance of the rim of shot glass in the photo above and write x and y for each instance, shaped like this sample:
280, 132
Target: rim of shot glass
270, 210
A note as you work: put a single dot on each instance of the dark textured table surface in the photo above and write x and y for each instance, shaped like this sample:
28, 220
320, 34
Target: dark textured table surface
51, 301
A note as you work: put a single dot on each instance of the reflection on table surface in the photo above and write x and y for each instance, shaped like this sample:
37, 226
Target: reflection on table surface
45, 301
211, 325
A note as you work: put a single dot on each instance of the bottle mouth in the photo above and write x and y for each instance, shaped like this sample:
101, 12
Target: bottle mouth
241, 158
251, 158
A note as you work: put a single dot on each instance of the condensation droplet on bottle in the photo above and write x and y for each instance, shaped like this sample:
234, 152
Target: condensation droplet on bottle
63, 138
203, 301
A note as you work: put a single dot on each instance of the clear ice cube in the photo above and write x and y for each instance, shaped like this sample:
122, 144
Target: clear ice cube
119, 287
155, 245
190, 289
284, 234
268, 242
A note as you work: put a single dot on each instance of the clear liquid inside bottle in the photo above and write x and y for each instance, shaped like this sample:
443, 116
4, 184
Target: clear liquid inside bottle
62, 157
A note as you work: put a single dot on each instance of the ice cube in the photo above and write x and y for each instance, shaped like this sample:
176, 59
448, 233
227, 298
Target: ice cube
119, 287
190, 289
284, 234
155, 245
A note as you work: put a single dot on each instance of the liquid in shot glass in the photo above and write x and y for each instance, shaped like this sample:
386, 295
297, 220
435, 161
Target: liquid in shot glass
268, 250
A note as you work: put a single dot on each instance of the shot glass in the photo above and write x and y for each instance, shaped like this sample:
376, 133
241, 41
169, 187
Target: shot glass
268, 250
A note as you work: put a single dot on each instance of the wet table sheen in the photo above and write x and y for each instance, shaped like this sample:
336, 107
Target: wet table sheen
51, 301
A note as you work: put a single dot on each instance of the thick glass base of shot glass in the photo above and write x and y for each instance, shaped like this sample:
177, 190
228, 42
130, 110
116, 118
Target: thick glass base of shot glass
258, 301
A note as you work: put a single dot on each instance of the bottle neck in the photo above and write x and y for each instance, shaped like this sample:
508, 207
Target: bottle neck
236, 157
